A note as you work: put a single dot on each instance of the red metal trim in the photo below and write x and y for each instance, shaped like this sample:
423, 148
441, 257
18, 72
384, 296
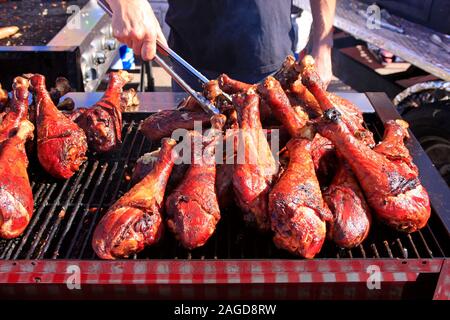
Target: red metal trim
215, 272
442, 291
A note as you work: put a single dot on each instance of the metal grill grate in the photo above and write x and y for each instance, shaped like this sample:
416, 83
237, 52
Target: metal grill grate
66, 213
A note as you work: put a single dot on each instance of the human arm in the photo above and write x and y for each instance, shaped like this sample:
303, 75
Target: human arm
134, 23
322, 36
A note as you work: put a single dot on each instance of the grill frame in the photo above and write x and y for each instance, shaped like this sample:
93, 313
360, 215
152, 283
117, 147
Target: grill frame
326, 271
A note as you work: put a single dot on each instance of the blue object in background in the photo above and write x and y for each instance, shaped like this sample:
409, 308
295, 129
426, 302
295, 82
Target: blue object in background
127, 57
125, 60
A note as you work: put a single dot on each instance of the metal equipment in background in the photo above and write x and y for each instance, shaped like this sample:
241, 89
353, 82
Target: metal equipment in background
69, 38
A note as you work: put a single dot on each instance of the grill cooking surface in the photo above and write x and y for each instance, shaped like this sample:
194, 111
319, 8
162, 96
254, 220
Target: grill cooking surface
66, 213
39, 21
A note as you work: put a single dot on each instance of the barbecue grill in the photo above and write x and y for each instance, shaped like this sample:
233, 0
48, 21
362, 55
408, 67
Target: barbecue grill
237, 262
58, 38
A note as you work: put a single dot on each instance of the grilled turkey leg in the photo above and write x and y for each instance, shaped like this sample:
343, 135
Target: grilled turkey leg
294, 120
351, 214
290, 80
17, 110
134, 221
61, 144
162, 124
16, 197
392, 187
255, 167
298, 212
193, 208
232, 86
102, 123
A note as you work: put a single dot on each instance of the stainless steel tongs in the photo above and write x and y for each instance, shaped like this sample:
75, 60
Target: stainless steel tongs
163, 51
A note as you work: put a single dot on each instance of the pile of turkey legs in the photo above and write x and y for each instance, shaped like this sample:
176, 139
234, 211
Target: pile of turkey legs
328, 180
63, 138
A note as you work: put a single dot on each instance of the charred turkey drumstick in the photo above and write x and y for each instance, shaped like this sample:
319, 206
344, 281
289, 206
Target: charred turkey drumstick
17, 109
386, 174
296, 206
163, 123
61, 144
293, 120
255, 166
16, 197
102, 123
134, 221
193, 208
351, 214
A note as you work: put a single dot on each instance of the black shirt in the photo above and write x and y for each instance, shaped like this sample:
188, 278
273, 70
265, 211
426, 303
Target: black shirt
247, 39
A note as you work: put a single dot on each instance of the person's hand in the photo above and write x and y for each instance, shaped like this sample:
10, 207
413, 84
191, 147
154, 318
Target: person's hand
135, 24
322, 57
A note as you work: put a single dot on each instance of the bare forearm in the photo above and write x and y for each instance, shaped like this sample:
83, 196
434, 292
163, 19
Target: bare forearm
323, 17
114, 3
322, 36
